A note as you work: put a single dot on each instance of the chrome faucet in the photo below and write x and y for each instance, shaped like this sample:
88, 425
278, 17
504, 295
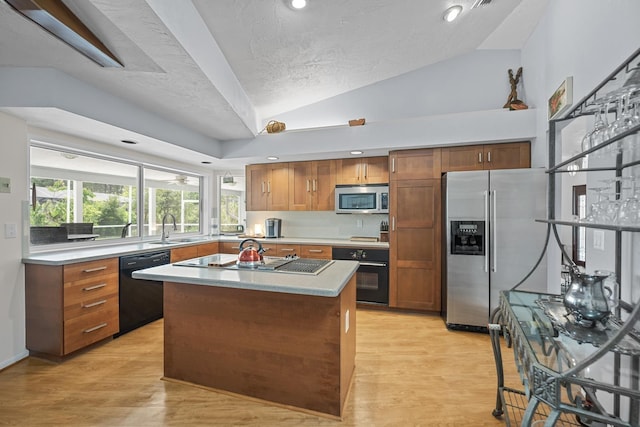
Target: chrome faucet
175, 227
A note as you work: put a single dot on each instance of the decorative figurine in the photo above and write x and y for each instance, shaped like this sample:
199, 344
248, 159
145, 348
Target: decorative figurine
513, 103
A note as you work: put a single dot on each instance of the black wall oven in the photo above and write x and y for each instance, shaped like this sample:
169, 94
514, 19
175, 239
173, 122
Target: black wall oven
372, 277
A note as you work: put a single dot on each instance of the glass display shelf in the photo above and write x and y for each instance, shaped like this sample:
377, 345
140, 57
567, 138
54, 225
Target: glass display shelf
550, 348
603, 146
613, 227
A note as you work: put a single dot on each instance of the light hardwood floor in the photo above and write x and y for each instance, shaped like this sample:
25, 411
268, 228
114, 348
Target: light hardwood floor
410, 371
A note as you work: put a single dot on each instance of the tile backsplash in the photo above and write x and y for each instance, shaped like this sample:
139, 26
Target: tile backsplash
320, 224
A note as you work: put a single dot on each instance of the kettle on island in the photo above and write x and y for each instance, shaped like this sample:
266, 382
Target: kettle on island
251, 255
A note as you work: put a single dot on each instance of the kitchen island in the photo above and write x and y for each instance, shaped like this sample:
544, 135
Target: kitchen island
279, 337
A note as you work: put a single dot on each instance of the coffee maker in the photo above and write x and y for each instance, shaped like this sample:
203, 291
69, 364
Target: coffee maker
272, 228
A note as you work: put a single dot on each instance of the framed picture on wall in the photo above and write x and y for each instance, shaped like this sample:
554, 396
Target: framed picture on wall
561, 99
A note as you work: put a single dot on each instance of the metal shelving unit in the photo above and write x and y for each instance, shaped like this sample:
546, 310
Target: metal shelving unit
574, 375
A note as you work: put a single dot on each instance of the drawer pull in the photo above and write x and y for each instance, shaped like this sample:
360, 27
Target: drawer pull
93, 304
315, 251
93, 270
287, 249
94, 287
95, 328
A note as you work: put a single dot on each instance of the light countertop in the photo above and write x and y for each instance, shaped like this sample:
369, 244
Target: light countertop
91, 253
328, 283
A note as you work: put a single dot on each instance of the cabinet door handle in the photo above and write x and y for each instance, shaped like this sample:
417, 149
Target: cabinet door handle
479, 157
287, 249
393, 165
94, 304
365, 171
489, 156
393, 223
308, 186
358, 173
315, 185
262, 186
268, 186
93, 270
95, 328
315, 251
94, 287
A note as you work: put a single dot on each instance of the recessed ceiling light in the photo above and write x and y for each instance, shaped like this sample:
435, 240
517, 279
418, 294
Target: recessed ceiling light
452, 13
272, 158
298, 4
356, 152
128, 141
206, 162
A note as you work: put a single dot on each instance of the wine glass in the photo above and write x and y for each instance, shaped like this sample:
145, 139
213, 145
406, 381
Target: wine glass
629, 212
595, 212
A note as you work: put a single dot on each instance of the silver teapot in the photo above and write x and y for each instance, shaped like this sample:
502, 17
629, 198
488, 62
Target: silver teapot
586, 300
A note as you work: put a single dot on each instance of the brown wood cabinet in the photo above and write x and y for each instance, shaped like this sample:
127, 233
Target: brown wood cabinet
69, 307
363, 170
267, 187
486, 157
415, 230
312, 185
315, 251
209, 248
182, 253
230, 247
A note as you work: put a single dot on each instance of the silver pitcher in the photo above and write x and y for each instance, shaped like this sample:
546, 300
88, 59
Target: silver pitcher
586, 300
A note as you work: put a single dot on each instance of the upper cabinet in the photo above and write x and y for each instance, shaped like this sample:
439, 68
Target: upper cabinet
415, 164
267, 187
312, 185
363, 170
486, 157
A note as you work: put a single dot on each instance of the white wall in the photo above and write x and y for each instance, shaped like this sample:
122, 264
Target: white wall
585, 39
13, 165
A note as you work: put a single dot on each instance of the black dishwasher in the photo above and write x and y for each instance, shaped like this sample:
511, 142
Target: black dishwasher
140, 300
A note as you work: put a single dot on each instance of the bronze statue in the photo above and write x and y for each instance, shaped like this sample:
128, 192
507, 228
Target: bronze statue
513, 103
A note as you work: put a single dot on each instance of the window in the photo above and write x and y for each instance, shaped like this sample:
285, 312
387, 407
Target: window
79, 197
579, 240
167, 193
232, 204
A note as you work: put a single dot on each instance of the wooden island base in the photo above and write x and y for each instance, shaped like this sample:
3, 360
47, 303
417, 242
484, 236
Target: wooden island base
294, 350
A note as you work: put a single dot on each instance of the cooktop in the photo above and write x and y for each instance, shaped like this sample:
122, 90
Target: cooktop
271, 264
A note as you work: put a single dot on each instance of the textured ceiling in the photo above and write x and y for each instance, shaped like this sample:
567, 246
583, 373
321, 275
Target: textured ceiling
221, 68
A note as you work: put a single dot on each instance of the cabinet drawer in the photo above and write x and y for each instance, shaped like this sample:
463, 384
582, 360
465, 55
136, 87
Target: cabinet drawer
89, 269
284, 250
85, 330
78, 301
230, 247
90, 288
315, 251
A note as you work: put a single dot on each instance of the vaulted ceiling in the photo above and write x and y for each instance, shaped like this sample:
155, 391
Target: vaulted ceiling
221, 68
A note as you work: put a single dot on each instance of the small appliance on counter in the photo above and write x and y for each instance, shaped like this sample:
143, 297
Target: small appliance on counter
272, 228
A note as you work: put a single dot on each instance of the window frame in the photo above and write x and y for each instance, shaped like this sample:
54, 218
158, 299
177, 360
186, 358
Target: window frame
140, 196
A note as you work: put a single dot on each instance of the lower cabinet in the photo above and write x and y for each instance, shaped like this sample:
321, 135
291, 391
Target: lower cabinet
69, 307
415, 244
315, 251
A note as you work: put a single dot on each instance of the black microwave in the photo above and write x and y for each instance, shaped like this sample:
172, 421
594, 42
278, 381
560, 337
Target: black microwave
366, 199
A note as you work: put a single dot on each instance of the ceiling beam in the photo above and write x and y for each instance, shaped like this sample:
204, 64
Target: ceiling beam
57, 19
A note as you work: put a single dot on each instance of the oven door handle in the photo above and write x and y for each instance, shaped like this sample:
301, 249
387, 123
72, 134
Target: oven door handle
373, 264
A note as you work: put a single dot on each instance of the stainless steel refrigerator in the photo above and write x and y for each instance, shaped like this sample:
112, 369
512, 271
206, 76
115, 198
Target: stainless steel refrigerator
492, 240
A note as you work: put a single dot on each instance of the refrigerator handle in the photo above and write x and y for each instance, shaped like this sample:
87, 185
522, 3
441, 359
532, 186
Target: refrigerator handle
486, 218
494, 232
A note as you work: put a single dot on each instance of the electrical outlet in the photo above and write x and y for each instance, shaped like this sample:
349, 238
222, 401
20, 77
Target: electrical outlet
598, 239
